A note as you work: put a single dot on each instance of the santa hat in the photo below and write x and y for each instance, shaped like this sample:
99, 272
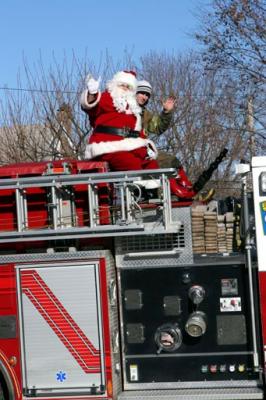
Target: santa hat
145, 87
125, 77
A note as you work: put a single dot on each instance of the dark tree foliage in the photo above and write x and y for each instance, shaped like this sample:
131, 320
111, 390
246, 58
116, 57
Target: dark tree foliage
233, 35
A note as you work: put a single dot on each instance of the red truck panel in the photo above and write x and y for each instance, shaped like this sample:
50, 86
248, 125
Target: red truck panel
262, 282
8, 307
39, 168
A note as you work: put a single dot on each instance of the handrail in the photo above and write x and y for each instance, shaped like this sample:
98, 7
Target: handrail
125, 217
75, 179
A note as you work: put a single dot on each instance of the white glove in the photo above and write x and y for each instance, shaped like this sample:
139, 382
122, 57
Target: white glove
92, 84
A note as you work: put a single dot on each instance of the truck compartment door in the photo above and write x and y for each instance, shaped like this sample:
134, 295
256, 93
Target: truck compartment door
61, 328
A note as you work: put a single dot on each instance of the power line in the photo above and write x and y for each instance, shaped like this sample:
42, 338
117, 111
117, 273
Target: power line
4, 88
37, 90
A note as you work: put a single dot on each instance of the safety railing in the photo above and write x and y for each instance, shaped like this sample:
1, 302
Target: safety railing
69, 206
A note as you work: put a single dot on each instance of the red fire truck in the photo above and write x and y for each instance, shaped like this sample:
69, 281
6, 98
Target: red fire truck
104, 297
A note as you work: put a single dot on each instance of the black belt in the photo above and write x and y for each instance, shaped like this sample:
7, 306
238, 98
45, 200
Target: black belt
125, 132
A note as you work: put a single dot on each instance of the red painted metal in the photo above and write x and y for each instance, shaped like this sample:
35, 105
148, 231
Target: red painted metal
262, 284
8, 306
40, 168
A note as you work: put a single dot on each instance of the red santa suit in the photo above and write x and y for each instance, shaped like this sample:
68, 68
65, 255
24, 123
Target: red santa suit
117, 134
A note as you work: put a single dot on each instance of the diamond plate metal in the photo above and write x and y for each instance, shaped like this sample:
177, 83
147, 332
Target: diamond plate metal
52, 256
182, 241
195, 394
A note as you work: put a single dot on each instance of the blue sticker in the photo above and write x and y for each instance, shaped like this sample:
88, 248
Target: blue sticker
61, 376
263, 215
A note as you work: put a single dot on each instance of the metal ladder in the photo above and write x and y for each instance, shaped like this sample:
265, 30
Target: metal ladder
125, 215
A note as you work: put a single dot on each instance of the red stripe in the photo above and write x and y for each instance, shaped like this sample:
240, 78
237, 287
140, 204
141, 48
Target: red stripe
60, 321
262, 281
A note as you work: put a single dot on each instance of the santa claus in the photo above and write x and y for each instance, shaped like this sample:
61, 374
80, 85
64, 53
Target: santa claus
118, 137
115, 116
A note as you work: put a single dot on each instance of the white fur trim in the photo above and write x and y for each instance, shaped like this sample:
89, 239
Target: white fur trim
97, 149
138, 124
152, 150
125, 77
84, 100
148, 183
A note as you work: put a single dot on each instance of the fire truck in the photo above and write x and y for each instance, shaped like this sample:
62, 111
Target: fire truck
105, 295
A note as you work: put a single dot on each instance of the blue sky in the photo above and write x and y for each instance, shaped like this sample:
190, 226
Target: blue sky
56, 26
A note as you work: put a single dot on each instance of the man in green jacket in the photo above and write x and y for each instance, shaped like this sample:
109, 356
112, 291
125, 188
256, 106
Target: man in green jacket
154, 123
157, 124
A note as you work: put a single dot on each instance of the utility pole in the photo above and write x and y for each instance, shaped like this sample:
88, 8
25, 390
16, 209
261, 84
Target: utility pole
250, 127
64, 118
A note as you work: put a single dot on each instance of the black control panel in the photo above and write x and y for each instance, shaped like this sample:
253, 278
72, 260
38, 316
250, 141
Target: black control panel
187, 323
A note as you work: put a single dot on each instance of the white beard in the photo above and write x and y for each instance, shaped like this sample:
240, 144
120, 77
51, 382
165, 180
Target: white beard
125, 101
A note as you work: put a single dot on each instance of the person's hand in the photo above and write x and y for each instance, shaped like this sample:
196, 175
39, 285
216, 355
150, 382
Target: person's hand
92, 84
168, 104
